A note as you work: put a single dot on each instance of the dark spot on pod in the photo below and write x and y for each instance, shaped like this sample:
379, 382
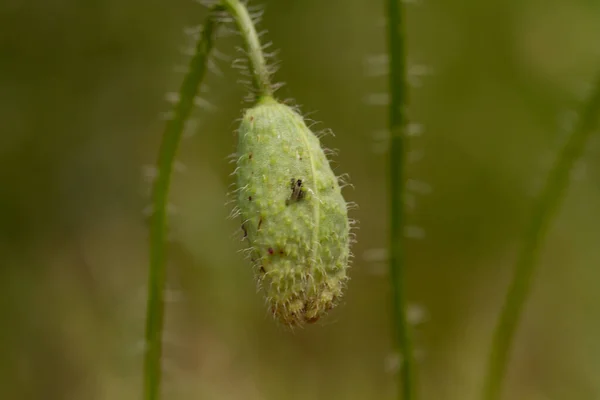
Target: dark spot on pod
281, 252
298, 192
271, 251
262, 270
250, 156
245, 231
260, 221
249, 198
251, 118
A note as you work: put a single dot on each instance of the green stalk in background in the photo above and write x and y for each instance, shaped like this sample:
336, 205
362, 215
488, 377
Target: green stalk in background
398, 88
547, 205
158, 221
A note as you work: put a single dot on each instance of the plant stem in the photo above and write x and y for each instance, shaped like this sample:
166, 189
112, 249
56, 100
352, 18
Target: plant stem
158, 221
547, 205
258, 66
397, 156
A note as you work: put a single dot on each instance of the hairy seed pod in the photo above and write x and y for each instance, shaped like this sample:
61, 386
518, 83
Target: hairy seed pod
293, 213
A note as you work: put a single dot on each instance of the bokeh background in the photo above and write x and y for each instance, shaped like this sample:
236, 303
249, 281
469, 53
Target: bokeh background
495, 88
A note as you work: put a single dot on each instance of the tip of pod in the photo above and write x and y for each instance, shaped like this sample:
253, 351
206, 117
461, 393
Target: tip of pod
268, 99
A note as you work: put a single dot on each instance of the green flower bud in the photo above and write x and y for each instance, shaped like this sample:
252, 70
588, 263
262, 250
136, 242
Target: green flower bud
293, 214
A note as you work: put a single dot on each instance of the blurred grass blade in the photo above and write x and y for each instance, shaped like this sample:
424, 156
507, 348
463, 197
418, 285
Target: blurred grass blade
397, 159
547, 205
158, 221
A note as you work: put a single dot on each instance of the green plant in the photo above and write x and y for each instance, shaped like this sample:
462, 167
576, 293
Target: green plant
546, 207
293, 214
398, 122
307, 227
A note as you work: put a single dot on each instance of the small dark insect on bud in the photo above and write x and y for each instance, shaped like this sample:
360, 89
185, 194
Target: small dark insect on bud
298, 191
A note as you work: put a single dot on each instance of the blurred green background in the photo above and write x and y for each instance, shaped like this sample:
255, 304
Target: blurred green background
82, 89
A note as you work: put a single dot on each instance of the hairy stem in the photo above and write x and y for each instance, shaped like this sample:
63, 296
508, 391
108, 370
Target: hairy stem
547, 205
258, 66
397, 158
158, 221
